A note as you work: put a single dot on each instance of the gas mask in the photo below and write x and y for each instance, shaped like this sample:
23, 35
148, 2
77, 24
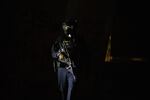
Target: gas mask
68, 30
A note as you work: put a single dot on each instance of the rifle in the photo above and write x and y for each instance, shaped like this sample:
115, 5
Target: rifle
67, 59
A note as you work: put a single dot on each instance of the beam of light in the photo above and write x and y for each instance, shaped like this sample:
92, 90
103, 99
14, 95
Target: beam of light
108, 57
129, 59
136, 59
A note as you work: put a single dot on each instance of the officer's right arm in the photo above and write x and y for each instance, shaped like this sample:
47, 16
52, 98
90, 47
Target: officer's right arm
55, 51
54, 56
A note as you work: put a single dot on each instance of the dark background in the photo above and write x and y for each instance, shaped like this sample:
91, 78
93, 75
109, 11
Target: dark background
29, 28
